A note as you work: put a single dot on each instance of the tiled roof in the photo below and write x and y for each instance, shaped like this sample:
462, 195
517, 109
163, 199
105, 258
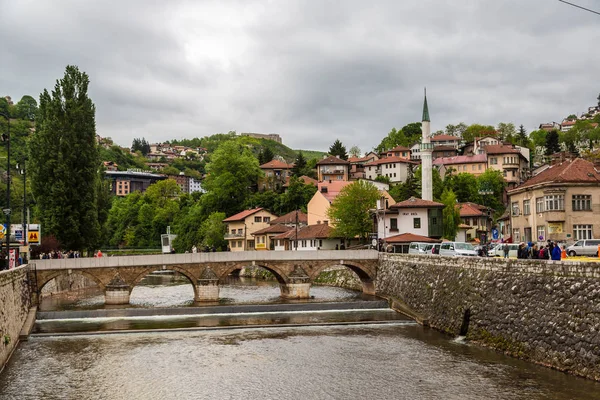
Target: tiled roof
414, 202
500, 149
568, 123
242, 215
290, 218
569, 171
410, 237
276, 164
360, 159
307, 180
390, 160
318, 231
444, 148
477, 158
398, 148
471, 210
278, 228
440, 138
332, 160
333, 188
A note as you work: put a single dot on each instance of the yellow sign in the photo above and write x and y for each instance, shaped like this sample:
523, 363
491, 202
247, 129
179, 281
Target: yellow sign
555, 227
1, 235
2, 230
33, 237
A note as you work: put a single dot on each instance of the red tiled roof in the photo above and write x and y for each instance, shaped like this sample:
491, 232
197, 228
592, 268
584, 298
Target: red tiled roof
277, 228
306, 179
360, 159
568, 123
569, 171
318, 231
389, 160
440, 138
276, 164
333, 188
332, 160
410, 237
242, 215
398, 148
414, 202
445, 148
500, 149
477, 158
471, 210
290, 218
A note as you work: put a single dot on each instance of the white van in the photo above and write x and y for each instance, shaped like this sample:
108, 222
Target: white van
418, 248
457, 249
513, 250
584, 248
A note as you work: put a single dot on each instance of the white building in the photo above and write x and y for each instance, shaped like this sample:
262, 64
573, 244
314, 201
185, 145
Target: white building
416, 216
395, 168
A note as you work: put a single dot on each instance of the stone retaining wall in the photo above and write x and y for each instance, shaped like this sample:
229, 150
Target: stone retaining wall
14, 307
547, 312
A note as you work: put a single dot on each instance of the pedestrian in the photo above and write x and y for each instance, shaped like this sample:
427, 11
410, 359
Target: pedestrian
521, 252
194, 249
535, 253
99, 253
563, 253
505, 250
556, 253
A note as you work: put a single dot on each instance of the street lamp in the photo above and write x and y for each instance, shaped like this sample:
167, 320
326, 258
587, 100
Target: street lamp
6, 138
23, 172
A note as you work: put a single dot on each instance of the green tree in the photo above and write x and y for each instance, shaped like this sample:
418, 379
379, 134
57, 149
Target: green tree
213, 231
299, 165
437, 183
491, 185
456, 130
451, 214
64, 163
26, 108
570, 139
464, 186
477, 130
297, 196
539, 138
265, 155
355, 151
231, 173
552, 143
350, 210
506, 131
338, 149
522, 137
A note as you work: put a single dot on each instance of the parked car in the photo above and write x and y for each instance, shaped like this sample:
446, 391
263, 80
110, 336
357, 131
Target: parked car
498, 251
433, 248
418, 248
457, 249
584, 248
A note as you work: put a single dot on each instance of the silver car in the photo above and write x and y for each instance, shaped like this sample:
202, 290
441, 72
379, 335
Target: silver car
584, 248
457, 249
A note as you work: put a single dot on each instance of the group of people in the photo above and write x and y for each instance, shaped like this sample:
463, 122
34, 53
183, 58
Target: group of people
57, 255
551, 251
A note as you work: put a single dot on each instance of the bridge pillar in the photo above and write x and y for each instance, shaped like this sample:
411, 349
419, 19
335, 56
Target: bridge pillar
207, 288
298, 285
368, 287
117, 292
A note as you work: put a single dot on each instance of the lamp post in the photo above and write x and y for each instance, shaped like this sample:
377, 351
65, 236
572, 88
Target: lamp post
6, 138
23, 172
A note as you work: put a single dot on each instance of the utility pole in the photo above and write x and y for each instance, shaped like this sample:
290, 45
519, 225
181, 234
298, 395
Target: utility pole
24, 173
296, 241
6, 138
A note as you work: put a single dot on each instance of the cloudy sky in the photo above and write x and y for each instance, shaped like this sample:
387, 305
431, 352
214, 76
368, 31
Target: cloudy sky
310, 70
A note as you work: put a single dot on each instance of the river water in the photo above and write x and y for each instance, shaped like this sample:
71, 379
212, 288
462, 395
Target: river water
385, 357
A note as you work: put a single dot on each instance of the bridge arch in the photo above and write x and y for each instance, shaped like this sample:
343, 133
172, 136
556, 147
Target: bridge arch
176, 268
274, 269
365, 274
45, 279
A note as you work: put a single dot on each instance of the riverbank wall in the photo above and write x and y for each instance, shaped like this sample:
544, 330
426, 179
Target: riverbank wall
547, 312
15, 301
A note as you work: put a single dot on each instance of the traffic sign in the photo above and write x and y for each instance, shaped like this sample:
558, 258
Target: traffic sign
3, 229
495, 234
33, 237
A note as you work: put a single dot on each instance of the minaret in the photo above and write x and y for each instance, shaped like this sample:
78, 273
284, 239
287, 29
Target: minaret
426, 150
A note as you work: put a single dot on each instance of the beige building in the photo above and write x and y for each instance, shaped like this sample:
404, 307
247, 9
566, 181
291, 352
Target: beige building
561, 203
510, 161
241, 226
277, 173
397, 169
475, 164
333, 169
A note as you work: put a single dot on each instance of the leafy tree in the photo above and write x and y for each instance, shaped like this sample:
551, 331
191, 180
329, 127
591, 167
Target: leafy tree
506, 131
64, 163
299, 165
297, 196
464, 186
477, 130
406, 137
437, 183
4, 106
187, 227
265, 155
552, 143
140, 145
570, 139
231, 173
571, 117
349, 211
26, 108
456, 130
213, 231
405, 190
491, 185
413, 133
522, 137
539, 138
355, 151
383, 179
451, 214
338, 149
170, 170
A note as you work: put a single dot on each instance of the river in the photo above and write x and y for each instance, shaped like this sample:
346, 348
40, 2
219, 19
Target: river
387, 356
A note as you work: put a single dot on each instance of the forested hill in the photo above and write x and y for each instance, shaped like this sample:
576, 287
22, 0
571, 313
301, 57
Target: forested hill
212, 142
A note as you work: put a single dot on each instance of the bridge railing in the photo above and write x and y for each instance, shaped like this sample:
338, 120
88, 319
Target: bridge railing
192, 258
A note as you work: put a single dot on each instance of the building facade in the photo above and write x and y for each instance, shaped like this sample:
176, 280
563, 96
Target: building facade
241, 226
125, 182
276, 174
333, 169
395, 168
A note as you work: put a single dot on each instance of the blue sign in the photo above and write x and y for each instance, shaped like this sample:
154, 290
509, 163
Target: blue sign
495, 234
19, 235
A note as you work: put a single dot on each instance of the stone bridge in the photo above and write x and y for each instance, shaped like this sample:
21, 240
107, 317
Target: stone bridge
294, 270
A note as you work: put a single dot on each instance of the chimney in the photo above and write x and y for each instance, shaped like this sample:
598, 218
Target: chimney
326, 222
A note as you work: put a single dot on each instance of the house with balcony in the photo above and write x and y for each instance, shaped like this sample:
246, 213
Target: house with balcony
560, 204
473, 164
509, 160
398, 151
445, 140
333, 169
357, 165
415, 216
276, 174
444, 151
415, 152
397, 169
479, 220
241, 226
311, 237
277, 226
132, 180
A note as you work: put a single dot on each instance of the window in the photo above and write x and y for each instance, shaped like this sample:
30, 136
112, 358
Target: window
541, 232
539, 204
555, 202
516, 235
582, 232
526, 207
479, 167
504, 173
417, 223
239, 243
233, 244
267, 219
515, 209
434, 221
233, 231
257, 219
240, 231
304, 243
493, 160
582, 202
393, 224
472, 167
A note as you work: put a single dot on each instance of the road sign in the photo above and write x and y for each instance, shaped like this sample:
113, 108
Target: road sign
33, 237
6, 211
3, 229
495, 234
